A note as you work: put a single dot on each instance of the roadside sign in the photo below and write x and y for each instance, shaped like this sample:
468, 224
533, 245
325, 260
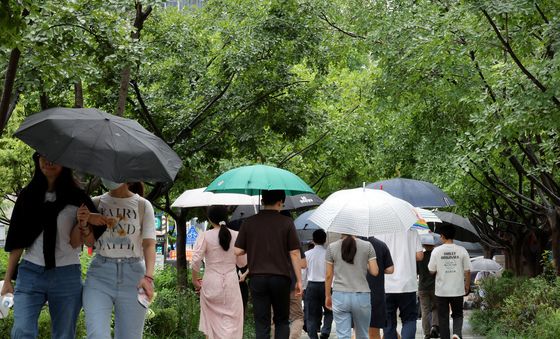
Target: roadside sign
192, 234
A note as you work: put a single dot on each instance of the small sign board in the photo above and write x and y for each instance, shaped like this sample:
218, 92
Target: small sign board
192, 234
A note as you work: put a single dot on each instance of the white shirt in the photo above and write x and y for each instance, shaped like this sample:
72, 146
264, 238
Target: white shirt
124, 240
450, 262
64, 254
316, 263
403, 247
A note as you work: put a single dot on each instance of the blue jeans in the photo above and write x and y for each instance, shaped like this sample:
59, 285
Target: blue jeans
112, 283
406, 303
60, 286
351, 308
315, 308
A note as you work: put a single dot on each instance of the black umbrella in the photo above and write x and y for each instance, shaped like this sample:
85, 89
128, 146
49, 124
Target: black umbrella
464, 230
418, 193
292, 202
99, 143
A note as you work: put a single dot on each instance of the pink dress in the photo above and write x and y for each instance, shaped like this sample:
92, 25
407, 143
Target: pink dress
221, 306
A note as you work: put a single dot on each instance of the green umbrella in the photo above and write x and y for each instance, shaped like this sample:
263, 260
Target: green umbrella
253, 179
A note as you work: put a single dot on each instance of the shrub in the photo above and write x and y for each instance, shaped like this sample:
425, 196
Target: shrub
164, 322
547, 325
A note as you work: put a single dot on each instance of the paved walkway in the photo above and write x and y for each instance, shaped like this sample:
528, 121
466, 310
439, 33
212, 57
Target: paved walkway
467, 330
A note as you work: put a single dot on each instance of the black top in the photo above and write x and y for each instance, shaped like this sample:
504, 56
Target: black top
384, 260
426, 280
268, 238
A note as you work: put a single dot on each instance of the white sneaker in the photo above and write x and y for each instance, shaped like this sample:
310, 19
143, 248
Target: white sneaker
455, 337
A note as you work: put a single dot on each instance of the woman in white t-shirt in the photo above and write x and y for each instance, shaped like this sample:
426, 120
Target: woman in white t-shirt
123, 264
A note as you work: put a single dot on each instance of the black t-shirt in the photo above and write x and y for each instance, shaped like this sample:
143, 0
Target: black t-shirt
268, 238
384, 260
426, 280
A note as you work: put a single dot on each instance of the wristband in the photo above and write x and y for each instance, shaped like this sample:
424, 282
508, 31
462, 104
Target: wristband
149, 278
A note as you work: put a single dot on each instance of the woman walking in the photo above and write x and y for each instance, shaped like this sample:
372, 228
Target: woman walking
221, 305
350, 259
44, 224
123, 265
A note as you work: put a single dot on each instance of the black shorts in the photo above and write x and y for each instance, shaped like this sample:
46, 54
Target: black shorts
378, 311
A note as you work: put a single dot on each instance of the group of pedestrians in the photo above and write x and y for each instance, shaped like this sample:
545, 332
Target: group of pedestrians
51, 220
360, 283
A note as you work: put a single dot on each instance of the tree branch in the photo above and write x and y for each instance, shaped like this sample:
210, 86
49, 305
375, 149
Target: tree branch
303, 150
144, 111
9, 81
518, 62
324, 17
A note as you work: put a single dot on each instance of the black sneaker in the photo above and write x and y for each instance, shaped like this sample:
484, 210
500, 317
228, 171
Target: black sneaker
434, 333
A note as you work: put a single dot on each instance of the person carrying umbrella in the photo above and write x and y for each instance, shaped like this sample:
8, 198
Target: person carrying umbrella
270, 241
348, 261
44, 225
451, 265
121, 273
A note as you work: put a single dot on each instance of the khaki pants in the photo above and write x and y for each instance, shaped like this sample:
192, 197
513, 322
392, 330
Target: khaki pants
429, 307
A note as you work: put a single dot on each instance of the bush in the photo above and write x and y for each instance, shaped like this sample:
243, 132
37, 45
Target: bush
518, 307
164, 322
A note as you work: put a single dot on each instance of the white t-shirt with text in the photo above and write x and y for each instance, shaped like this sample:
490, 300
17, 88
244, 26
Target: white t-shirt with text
450, 262
124, 240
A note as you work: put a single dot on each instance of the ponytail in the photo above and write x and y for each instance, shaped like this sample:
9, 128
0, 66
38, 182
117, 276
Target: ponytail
219, 215
348, 249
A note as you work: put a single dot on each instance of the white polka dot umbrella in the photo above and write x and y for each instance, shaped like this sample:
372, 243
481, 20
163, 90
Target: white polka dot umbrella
364, 212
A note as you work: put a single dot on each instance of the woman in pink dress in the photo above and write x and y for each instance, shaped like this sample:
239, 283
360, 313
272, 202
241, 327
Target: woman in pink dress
221, 305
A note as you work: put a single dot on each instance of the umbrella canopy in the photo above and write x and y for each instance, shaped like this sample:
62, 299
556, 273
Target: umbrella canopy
304, 227
364, 212
99, 143
484, 264
418, 193
292, 202
198, 198
253, 179
464, 230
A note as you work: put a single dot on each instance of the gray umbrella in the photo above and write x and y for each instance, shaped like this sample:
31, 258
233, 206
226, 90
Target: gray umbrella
418, 193
99, 143
464, 230
292, 202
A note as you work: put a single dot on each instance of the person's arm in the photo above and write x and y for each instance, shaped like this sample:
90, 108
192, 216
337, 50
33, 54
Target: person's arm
238, 251
147, 281
373, 269
303, 263
389, 270
467, 282
295, 256
243, 276
419, 256
328, 285
13, 260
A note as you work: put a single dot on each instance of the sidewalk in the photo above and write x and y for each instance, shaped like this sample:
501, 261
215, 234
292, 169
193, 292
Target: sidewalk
467, 330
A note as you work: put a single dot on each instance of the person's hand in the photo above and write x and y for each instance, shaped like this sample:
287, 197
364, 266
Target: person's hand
98, 219
328, 302
82, 214
197, 285
147, 283
7, 287
299, 289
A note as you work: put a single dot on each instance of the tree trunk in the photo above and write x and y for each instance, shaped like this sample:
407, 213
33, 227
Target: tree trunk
9, 81
553, 216
123, 90
78, 94
180, 247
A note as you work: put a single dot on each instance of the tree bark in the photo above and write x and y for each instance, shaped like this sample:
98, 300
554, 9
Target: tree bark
9, 81
125, 73
180, 247
78, 94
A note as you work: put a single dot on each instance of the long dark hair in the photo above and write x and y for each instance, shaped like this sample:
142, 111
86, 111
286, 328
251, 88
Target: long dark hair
219, 215
64, 184
348, 249
136, 187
